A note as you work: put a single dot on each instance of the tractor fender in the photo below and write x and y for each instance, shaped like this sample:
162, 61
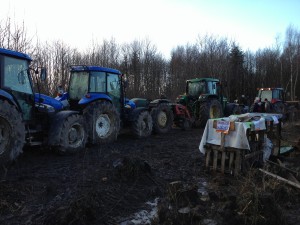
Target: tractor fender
133, 114
91, 97
7, 96
140, 102
156, 102
56, 123
204, 98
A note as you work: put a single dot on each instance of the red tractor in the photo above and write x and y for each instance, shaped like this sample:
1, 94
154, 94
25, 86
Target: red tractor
271, 100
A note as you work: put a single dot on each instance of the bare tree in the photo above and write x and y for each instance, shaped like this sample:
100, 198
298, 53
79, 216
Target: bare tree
291, 51
250, 76
151, 75
14, 36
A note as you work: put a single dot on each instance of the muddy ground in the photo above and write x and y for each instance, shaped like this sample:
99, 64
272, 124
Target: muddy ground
108, 184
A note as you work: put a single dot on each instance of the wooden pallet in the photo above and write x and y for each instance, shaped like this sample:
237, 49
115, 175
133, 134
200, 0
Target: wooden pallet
233, 160
230, 160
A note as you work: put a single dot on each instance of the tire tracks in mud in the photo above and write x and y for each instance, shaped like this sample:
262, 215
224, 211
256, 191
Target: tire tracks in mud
86, 188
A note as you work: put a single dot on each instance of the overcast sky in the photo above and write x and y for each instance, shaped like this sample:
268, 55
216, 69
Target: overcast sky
253, 24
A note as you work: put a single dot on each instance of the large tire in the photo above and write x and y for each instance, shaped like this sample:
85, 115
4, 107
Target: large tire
279, 107
209, 110
233, 109
237, 110
142, 125
186, 124
12, 133
73, 135
103, 122
292, 114
162, 117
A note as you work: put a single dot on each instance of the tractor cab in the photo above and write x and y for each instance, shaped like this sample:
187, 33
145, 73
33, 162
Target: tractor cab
17, 85
273, 95
269, 100
200, 89
16, 81
91, 83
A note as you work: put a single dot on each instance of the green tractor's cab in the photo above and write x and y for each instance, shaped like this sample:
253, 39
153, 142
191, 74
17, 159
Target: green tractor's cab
201, 89
204, 99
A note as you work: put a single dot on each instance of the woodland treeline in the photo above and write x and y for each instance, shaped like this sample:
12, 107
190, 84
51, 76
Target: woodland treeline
151, 75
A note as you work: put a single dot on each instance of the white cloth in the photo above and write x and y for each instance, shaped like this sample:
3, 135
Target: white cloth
237, 138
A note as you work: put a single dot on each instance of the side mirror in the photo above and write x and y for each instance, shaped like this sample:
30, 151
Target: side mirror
125, 80
43, 74
125, 83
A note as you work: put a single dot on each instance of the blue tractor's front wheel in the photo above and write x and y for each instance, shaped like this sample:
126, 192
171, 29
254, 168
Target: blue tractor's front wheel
142, 125
73, 135
12, 133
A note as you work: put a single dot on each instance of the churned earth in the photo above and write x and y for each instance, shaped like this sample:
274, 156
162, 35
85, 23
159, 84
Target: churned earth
108, 184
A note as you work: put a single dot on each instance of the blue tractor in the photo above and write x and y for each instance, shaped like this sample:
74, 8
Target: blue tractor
32, 118
100, 94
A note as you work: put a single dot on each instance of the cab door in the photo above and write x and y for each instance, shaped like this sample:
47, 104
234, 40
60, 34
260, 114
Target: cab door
16, 80
114, 89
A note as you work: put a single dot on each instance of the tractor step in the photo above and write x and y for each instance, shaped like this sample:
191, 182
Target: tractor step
31, 131
35, 143
33, 138
32, 142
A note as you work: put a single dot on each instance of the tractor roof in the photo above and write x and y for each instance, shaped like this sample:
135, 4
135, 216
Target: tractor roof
15, 54
203, 79
269, 89
94, 68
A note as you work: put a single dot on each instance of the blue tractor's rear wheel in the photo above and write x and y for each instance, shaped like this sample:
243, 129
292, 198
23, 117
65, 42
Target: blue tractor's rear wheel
103, 122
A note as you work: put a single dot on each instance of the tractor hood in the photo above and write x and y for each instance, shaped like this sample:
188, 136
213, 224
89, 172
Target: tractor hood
47, 100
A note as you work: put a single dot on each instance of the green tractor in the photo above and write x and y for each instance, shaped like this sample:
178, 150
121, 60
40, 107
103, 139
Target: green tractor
204, 100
